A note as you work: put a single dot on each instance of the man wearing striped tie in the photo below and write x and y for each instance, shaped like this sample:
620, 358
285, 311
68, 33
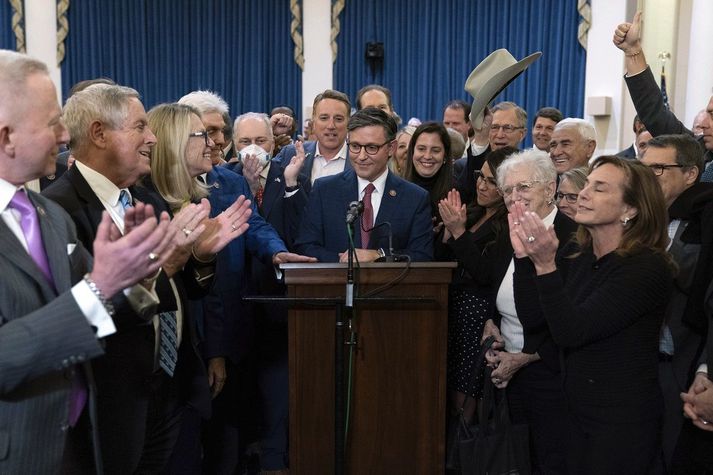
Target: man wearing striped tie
151, 370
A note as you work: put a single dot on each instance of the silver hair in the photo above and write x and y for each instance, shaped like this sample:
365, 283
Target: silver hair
585, 130
206, 102
15, 69
520, 113
538, 162
107, 103
576, 176
257, 116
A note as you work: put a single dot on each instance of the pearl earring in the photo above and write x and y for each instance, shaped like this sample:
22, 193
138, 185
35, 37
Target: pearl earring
625, 221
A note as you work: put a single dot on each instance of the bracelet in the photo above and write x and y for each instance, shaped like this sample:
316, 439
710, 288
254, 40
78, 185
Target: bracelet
193, 253
634, 54
108, 306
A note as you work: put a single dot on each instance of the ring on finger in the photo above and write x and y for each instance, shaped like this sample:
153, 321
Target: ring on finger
530, 238
187, 231
704, 422
234, 228
153, 256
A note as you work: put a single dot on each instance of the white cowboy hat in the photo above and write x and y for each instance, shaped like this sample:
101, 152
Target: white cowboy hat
490, 77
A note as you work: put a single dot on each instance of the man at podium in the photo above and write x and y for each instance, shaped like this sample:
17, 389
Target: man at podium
391, 216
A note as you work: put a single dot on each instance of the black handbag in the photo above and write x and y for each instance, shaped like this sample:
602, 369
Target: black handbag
458, 427
495, 445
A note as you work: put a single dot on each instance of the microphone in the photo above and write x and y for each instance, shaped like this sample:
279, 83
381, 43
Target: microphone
355, 209
390, 256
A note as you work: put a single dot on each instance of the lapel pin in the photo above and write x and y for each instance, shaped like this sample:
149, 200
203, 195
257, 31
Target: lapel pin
51, 177
216, 185
41, 210
277, 179
392, 193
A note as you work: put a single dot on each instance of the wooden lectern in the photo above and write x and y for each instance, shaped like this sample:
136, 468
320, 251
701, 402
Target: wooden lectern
398, 394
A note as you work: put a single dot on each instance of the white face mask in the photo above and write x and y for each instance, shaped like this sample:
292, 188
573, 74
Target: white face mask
253, 149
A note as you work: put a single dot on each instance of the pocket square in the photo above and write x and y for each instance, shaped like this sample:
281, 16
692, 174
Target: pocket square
70, 248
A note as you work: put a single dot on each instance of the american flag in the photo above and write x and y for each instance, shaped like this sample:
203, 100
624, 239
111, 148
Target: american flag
663, 87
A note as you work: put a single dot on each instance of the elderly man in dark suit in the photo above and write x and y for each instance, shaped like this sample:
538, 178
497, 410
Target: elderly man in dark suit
50, 316
386, 198
151, 371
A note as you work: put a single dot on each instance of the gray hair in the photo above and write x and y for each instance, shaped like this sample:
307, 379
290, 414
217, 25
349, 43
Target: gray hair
538, 162
520, 113
15, 69
205, 102
458, 145
585, 130
576, 176
106, 103
256, 116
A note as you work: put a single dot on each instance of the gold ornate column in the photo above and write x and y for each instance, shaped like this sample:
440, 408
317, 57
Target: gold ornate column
62, 28
18, 25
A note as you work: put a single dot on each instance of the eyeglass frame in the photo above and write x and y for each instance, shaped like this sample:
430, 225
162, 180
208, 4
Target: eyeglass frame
507, 128
478, 174
371, 154
522, 187
663, 167
202, 133
570, 197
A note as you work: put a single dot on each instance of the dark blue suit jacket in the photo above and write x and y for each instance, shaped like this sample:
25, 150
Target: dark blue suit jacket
323, 232
227, 328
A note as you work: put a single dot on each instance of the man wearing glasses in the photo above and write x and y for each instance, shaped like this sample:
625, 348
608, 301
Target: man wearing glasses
677, 161
386, 199
507, 129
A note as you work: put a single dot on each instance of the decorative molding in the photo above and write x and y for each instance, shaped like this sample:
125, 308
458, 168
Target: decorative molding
18, 25
62, 28
296, 32
337, 7
585, 11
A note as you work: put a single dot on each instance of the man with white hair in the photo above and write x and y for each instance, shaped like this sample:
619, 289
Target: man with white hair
52, 318
229, 323
572, 145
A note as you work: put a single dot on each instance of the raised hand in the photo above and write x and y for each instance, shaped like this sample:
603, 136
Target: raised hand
251, 172
122, 261
222, 229
187, 225
453, 213
530, 237
292, 170
627, 36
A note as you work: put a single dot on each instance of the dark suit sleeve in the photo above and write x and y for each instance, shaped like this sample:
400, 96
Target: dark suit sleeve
41, 341
646, 95
311, 237
420, 243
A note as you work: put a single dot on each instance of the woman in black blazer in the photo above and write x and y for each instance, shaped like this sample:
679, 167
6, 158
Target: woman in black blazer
603, 301
525, 358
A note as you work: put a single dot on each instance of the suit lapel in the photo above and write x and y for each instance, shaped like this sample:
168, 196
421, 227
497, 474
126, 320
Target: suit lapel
273, 188
84, 191
389, 201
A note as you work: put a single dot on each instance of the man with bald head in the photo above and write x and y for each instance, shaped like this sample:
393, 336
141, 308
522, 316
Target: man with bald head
572, 144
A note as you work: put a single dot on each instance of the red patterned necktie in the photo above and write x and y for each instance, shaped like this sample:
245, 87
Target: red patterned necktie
258, 195
367, 218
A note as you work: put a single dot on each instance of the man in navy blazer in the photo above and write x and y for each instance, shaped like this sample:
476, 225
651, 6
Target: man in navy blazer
323, 233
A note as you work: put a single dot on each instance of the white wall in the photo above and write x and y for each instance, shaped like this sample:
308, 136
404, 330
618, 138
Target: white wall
41, 36
316, 30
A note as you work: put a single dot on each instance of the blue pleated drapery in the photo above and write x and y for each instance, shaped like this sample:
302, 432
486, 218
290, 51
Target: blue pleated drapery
432, 46
7, 37
165, 48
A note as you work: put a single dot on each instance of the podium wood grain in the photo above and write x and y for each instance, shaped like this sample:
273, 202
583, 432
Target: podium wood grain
399, 390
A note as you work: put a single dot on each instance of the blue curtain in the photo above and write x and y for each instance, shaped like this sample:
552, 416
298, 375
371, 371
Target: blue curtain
166, 48
7, 37
432, 46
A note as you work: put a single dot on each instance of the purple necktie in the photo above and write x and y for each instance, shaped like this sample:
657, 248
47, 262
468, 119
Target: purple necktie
31, 229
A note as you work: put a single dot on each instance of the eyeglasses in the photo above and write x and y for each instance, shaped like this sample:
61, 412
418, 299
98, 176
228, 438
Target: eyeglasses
570, 197
490, 181
202, 133
659, 169
371, 149
507, 129
523, 187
